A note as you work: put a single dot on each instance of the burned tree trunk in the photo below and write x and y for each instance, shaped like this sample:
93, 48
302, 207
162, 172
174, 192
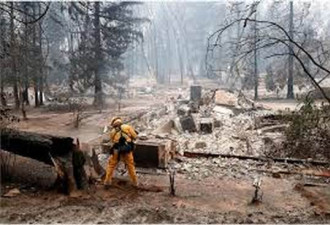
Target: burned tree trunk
2, 93
14, 56
2, 71
41, 91
290, 94
36, 146
60, 152
36, 96
25, 96
23, 107
256, 76
98, 99
35, 78
41, 80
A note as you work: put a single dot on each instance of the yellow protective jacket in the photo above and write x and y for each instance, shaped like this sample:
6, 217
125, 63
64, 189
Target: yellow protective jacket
128, 133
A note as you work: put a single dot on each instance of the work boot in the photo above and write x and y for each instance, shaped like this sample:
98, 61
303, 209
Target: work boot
107, 185
135, 185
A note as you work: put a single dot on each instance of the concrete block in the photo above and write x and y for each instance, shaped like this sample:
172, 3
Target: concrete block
188, 124
200, 144
183, 110
206, 125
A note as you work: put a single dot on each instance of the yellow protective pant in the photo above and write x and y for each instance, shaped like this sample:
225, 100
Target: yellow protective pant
113, 161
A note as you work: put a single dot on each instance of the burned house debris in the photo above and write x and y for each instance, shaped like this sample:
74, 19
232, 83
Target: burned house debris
125, 112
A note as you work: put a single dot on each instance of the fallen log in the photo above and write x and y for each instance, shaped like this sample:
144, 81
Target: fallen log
59, 152
316, 185
245, 157
34, 145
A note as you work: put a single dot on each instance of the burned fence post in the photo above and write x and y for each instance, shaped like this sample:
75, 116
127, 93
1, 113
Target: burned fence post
257, 197
172, 173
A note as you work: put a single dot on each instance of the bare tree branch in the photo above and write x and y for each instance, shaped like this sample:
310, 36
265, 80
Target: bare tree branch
21, 11
284, 41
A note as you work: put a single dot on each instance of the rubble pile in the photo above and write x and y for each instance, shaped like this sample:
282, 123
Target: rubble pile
225, 123
201, 168
215, 122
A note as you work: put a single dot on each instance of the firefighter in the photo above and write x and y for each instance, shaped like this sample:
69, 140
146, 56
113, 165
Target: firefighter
122, 137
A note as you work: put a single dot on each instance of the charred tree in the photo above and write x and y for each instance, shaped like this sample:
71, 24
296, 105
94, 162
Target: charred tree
180, 62
25, 94
156, 69
23, 107
179, 51
41, 80
35, 80
290, 94
256, 76
98, 99
2, 93
13, 49
3, 49
168, 53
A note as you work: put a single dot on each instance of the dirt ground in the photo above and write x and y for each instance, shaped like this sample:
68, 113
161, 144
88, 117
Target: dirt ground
212, 200
222, 196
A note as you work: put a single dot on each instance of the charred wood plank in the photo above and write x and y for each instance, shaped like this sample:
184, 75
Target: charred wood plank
245, 157
324, 173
